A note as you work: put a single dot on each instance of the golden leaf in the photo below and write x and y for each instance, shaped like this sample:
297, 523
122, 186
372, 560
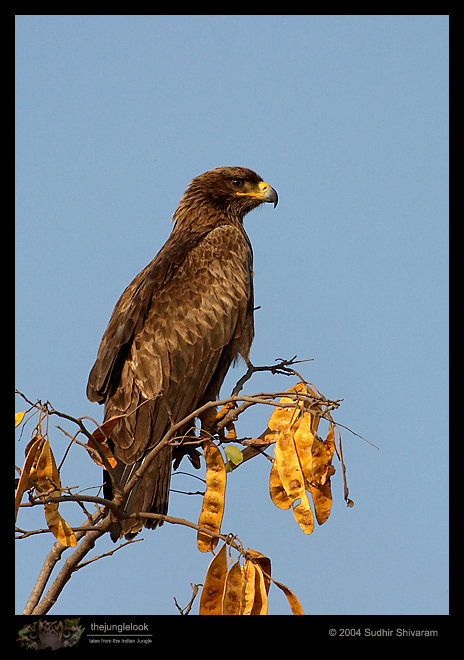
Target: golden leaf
58, 526
104, 431
95, 448
47, 477
45, 473
100, 444
23, 484
19, 418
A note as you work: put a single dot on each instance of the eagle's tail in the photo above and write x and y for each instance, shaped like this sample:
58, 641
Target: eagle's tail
150, 494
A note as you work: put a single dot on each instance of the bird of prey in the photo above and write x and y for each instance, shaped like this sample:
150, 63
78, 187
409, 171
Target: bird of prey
176, 330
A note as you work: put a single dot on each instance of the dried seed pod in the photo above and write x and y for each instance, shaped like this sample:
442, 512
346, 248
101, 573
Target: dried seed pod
233, 590
212, 509
276, 489
248, 588
288, 466
213, 586
260, 602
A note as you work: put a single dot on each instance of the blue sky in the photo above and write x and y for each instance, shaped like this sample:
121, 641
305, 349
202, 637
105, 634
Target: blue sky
347, 117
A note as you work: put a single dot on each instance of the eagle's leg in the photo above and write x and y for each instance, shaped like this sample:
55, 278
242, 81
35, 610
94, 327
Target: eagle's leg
210, 418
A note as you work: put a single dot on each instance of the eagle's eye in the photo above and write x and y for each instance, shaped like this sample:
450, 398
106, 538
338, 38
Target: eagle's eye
237, 183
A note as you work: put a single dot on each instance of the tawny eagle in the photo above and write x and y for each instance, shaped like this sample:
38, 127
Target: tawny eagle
176, 330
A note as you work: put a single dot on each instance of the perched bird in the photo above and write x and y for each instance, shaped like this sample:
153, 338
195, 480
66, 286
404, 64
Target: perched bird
176, 330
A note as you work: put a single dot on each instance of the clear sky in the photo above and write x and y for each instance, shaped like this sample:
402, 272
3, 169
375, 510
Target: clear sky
347, 118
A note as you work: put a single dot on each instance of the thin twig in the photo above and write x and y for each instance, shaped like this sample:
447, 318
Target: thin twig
188, 607
106, 554
99, 523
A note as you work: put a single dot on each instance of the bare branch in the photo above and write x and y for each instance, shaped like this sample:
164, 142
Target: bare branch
106, 554
49, 564
98, 523
188, 607
88, 541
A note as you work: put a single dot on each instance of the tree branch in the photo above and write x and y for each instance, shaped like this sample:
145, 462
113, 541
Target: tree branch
99, 522
49, 564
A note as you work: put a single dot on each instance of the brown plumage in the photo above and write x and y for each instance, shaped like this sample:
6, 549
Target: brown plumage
176, 330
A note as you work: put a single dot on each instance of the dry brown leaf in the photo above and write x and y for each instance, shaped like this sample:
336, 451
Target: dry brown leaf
213, 587
95, 448
58, 526
100, 444
45, 473
46, 476
102, 433
212, 508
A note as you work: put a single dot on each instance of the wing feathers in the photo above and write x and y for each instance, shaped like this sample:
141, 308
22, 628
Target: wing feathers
173, 334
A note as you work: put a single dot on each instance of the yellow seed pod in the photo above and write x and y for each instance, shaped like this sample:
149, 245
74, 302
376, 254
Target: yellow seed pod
260, 605
248, 588
288, 466
304, 439
233, 591
276, 489
322, 499
212, 509
329, 442
303, 514
322, 494
282, 418
213, 586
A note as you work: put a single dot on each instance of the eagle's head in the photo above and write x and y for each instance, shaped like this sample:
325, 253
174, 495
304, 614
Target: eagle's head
231, 190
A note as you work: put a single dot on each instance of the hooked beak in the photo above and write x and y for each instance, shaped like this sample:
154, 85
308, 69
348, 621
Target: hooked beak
265, 193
